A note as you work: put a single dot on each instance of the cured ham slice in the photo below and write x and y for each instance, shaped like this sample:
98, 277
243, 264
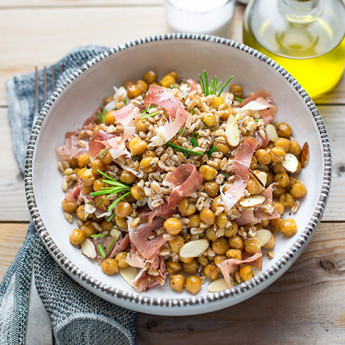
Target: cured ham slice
119, 246
228, 267
73, 194
90, 122
97, 144
72, 148
262, 143
193, 85
243, 158
259, 100
162, 210
127, 117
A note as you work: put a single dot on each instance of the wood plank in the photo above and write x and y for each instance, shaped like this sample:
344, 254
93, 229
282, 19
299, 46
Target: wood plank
12, 197
302, 307
66, 28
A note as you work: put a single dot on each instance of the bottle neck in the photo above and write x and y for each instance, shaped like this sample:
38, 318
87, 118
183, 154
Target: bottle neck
300, 11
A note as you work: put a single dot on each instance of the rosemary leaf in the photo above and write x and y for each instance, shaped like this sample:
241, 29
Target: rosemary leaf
239, 99
183, 150
117, 200
110, 218
150, 115
192, 111
213, 149
98, 235
101, 251
194, 142
111, 243
223, 87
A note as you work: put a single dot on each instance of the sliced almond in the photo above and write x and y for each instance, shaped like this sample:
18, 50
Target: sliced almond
88, 249
271, 132
128, 274
217, 285
264, 236
290, 163
232, 131
304, 154
261, 176
252, 201
115, 233
193, 249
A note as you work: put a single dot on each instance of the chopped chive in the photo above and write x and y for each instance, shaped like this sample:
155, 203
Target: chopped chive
239, 99
192, 111
256, 120
183, 150
110, 218
117, 200
99, 202
180, 131
111, 243
136, 156
125, 101
213, 149
149, 115
194, 142
173, 86
206, 83
147, 108
196, 134
101, 251
223, 87
100, 117
102, 153
98, 235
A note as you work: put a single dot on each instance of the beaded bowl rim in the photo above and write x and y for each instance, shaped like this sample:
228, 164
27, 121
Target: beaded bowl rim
135, 299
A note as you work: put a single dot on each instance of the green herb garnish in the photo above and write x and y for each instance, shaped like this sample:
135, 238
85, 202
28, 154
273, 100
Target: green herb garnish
192, 111
196, 134
125, 101
214, 86
102, 153
149, 115
98, 235
115, 187
101, 251
102, 117
213, 149
111, 243
110, 218
173, 86
239, 99
136, 156
194, 142
256, 120
183, 150
180, 131
146, 109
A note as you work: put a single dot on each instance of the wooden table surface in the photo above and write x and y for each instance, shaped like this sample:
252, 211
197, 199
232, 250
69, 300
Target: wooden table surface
305, 306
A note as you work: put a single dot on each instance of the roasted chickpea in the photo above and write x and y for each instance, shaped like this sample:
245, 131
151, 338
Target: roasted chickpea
69, 206
211, 188
209, 119
277, 154
203, 261
127, 177
137, 146
123, 209
299, 167
298, 190
220, 245
224, 114
223, 148
282, 179
218, 259
186, 209
140, 126
185, 260
193, 284
218, 101
128, 83
253, 163
173, 226
270, 179
102, 202
83, 160
221, 220
275, 224
295, 148
177, 282
236, 242
150, 77
190, 267
81, 213
284, 130
208, 173
279, 168
270, 244
174, 74
210, 234
253, 186
148, 165
121, 259
133, 91
109, 266
207, 216
77, 237
236, 90
210, 271
108, 100
279, 207
283, 143
87, 177
234, 254
137, 193
109, 118
287, 200
121, 222
87, 189
246, 272
107, 158
173, 267
215, 203
107, 226
149, 153
176, 244
194, 221
288, 227
96, 165
142, 85
263, 157
278, 191
252, 245
231, 230
88, 229
167, 81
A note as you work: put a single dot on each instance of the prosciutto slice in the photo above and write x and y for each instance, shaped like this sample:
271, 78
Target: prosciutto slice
163, 211
127, 116
119, 246
139, 237
90, 122
243, 158
193, 85
252, 216
228, 267
73, 194
71, 148
185, 180
262, 100
97, 142
262, 143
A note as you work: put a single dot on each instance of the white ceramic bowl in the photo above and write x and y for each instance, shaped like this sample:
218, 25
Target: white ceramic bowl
70, 104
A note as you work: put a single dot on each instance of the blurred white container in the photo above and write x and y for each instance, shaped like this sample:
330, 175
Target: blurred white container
200, 16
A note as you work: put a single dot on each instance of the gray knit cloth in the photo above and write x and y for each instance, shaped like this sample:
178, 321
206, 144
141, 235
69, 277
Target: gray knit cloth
77, 316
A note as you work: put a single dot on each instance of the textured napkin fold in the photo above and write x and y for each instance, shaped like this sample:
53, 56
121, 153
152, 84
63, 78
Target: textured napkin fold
77, 316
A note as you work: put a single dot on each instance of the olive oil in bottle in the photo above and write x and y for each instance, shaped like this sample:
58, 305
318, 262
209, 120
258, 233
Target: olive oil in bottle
306, 37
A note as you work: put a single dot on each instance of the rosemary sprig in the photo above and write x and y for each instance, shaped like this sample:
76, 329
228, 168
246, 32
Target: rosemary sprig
173, 86
118, 200
102, 153
239, 99
149, 115
213, 149
146, 109
102, 117
214, 86
192, 111
183, 150
194, 142
101, 251
125, 101
110, 218
98, 235
180, 131
111, 243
